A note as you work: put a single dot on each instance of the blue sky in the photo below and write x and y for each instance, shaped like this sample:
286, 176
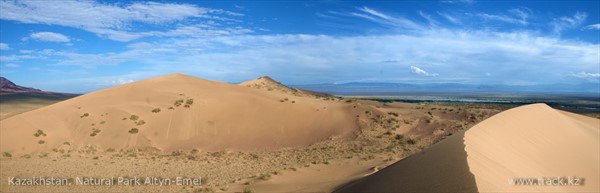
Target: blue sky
81, 46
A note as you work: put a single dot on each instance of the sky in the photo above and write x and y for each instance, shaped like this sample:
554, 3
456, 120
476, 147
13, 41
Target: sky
82, 46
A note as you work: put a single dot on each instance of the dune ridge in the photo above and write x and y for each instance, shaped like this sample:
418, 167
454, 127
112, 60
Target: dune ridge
220, 116
532, 141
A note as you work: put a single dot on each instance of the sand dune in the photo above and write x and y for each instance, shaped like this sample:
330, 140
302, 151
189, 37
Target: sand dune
533, 141
220, 116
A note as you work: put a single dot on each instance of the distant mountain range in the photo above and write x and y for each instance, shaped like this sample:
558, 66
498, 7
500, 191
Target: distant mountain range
7, 86
355, 88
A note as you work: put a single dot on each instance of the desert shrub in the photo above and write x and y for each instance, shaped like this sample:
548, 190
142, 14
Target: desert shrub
178, 102
293, 101
102, 122
41, 142
171, 108
133, 130
399, 137
95, 132
7, 154
411, 141
189, 101
281, 101
265, 177
248, 190
84, 115
67, 143
110, 150
133, 117
156, 110
39, 132
124, 118
393, 114
140, 122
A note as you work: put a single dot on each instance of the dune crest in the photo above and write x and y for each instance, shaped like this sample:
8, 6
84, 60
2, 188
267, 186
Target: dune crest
179, 112
532, 141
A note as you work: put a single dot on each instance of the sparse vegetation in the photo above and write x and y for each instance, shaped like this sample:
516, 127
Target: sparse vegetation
133, 117
102, 122
84, 115
7, 154
39, 132
41, 142
156, 110
248, 190
133, 130
189, 101
140, 122
178, 102
95, 132
265, 177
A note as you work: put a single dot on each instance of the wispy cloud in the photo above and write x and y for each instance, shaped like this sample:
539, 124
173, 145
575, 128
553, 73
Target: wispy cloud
515, 16
11, 65
117, 21
48, 37
4, 46
568, 22
459, 1
450, 18
593, 26
419, 71
387, 20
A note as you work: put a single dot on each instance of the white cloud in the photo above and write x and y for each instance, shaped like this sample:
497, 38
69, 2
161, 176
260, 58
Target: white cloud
49, 37
419, 71
459, 56
593, 26
565, 23
114, 21
11, 65
4, 46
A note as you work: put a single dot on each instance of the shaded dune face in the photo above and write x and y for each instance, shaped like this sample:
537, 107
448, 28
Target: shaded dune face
532, 141
180, 112
441, 168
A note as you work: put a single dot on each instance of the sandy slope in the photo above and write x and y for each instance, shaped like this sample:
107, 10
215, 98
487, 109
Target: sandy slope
222, 116
533, 141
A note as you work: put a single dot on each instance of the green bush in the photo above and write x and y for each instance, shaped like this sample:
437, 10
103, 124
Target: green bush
133, 117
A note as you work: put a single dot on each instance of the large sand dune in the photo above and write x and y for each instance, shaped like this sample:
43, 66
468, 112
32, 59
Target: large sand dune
221, 116
533, 141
